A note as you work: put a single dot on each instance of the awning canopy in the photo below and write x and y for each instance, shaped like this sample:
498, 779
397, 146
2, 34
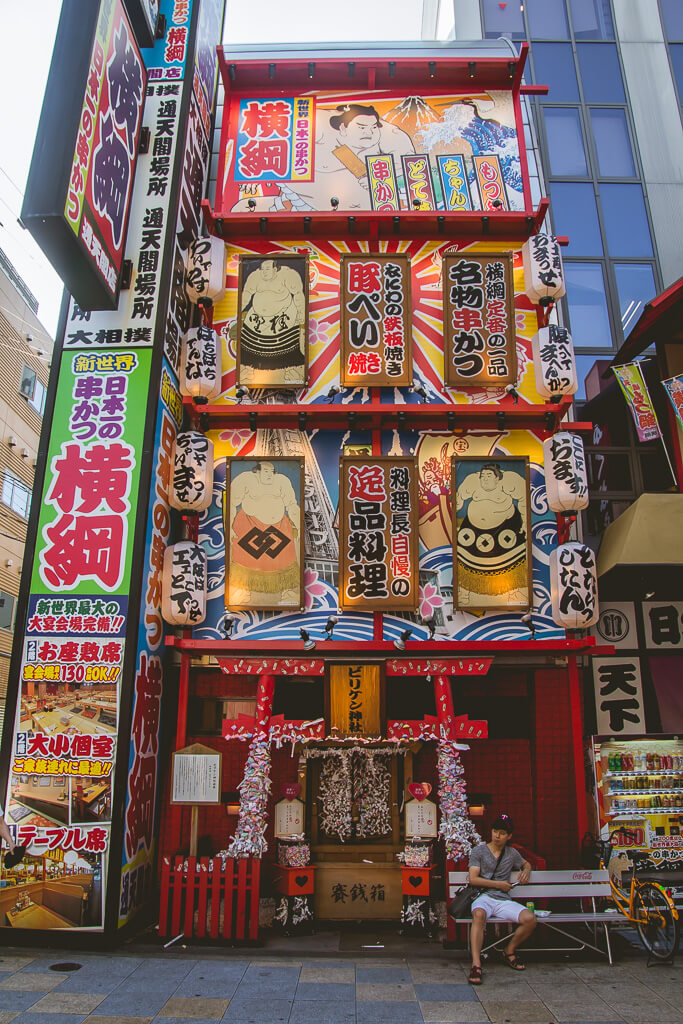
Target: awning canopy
648, 533
662, 318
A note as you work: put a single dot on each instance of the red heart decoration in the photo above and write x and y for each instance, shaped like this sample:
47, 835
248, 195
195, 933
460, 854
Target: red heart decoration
291, 790
420, 790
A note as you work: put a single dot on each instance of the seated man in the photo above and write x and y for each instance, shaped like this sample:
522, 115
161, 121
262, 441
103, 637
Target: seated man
495, 902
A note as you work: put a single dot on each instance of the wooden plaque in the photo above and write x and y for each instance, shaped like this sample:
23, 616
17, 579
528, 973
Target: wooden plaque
421, 820
376, 328
289, 818
196, 775
479, 319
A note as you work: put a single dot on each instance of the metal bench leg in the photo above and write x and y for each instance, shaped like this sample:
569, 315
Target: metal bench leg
608, 944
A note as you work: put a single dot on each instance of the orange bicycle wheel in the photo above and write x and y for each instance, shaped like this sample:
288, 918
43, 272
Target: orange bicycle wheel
656, 924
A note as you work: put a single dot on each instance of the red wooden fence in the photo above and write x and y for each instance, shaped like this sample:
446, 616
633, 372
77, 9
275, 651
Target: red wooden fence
202, 899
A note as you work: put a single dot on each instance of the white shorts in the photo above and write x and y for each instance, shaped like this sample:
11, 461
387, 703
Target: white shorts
498, 910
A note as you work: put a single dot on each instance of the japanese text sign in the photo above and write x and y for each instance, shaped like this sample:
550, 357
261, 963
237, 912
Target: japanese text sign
378, 545
196, 777
663, 622
479, 319
382, 182
421, 818
355, 700
91, 483
78, 195
632, 383
618, 695
491, 185
289, 818
454, 183
275, 139
417, 175
376, 330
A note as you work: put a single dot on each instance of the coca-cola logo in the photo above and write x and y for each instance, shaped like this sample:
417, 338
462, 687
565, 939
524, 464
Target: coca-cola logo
582, 876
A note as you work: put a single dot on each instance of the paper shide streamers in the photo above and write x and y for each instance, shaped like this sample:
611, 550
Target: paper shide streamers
373, 782
250, 836
458, 832
335, 795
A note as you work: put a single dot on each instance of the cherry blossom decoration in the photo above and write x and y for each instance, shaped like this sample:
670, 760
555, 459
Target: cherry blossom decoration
429, 600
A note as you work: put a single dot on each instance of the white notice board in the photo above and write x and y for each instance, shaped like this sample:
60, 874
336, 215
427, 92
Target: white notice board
421, 818
196, 778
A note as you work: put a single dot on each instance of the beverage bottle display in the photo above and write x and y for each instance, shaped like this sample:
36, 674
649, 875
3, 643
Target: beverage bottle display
655, 760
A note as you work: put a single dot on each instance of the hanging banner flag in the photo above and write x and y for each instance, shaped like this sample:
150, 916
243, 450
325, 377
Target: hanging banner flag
378, 553
674, 389
376, 336
418, 181
635, 391
382, 179
456, 190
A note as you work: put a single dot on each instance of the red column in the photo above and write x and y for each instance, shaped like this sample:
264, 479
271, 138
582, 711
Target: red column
577, 746
264, 704
444, 703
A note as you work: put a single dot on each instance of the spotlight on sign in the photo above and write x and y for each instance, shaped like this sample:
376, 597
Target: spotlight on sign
251, 203
334, 203
329, 626
332, 394
241, 393
227, 625
400, 644
418, 389
511, 390
431, 626
528, 621
309, 645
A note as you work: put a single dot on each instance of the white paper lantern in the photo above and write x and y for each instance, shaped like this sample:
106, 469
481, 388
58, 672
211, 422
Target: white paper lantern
574, 586
554, 363
191, 486
206, 270
566, 482
200, 364
183, 584
543, 271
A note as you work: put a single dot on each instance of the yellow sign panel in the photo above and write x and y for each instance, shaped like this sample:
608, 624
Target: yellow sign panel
355, 699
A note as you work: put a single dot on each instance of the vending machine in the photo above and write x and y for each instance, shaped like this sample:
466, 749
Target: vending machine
639, 785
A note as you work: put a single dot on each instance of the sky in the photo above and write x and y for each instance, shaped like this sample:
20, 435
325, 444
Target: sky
26, 39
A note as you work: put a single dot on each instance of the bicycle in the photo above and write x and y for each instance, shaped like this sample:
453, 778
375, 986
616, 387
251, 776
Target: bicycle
645, 904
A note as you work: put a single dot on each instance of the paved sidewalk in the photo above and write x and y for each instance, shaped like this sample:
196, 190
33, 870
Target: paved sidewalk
238, 988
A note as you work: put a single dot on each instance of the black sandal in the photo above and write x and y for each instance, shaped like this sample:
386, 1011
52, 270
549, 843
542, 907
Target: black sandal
475, 975
513, 962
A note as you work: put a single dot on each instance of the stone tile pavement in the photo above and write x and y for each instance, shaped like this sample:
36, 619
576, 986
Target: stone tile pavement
237, 988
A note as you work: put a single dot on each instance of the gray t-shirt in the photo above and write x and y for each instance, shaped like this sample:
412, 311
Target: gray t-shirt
482, 858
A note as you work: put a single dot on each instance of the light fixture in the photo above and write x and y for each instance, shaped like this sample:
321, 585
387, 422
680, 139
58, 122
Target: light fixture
432, 69
418, 389
241, 392
511, 390
301, 419
431, 626
650, 594
400, 644
417, 204
311, 68
227, 625
500, 420
252, 422
329, 626
402, 420
528, 621
334, 203
497, 204
12, 441
471, 67
450, 420
332, 393
251, 203
309, 645
556, 399
512, 66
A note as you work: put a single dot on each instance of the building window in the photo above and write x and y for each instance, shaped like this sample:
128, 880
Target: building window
592, 19
15, 494
32, 389
626, 228
565, 141
635, 286
676, 53
554, 67
672, 13
6, 610
547, 19
503, 19
612, 143
574, 214
600, 73
587, 305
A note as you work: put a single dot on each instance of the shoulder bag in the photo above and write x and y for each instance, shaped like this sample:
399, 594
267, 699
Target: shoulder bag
461, 903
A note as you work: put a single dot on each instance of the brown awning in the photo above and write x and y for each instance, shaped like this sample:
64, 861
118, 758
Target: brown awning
649, 532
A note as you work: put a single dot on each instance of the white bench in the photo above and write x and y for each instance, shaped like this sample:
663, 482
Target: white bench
556, 885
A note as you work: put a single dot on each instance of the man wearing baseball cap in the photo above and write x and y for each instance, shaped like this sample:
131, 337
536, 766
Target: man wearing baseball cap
491, 865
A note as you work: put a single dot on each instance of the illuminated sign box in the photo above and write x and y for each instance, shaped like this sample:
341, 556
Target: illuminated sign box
81, 178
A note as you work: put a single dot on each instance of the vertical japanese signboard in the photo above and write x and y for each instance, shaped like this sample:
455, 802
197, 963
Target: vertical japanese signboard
618, 695
79, 212
355, 700
376, 327
381, 173
417, 175
378, 540
490, 180
479, 319
454, 183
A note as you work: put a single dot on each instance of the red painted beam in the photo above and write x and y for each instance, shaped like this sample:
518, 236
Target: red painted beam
452, 648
